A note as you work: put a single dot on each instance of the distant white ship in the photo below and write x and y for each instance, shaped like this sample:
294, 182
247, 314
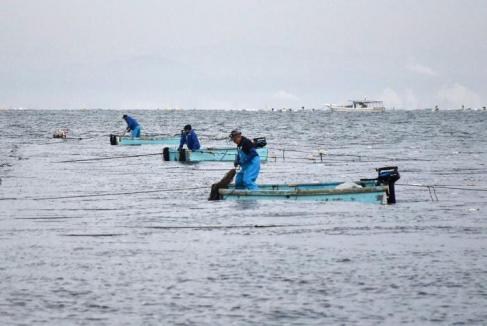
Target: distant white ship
359, 106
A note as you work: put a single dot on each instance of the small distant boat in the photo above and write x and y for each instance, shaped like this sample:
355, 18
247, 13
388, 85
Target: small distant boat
433, 109
358, 106
379, 190
144, 140
225, 154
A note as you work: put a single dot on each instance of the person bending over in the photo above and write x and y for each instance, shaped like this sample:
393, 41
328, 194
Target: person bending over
249, 161
189, 137
132, 125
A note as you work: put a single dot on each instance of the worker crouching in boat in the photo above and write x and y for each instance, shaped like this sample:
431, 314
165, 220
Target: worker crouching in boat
249, 161
132, 125
189, 137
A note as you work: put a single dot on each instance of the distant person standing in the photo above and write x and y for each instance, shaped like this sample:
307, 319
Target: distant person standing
132, 125
189, 137
249, 161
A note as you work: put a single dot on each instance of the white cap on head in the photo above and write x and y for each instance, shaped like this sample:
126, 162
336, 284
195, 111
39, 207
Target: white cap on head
235, 133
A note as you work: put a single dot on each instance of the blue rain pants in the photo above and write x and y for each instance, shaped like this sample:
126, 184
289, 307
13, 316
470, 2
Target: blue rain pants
249, 172
135, 133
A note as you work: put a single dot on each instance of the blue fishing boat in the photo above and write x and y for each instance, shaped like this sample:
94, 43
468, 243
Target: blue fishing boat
144, 140
378, 190
222, 154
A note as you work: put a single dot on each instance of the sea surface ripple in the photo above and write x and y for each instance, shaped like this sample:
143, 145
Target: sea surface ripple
166, 255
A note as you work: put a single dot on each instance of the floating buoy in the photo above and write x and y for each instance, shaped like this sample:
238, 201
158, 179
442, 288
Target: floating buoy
61, 133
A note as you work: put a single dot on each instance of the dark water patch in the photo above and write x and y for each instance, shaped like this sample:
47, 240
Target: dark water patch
343, 260
212, 227
48, 218
392, 230
93, 234
445, 173
87, 209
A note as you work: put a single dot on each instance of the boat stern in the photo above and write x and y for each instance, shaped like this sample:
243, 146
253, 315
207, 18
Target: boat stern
386, 176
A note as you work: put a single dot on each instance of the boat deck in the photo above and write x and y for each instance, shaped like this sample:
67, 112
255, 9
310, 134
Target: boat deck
221, 154
144, 140
368, 192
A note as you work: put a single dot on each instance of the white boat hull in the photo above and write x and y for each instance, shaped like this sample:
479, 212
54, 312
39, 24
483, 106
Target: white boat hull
345, 109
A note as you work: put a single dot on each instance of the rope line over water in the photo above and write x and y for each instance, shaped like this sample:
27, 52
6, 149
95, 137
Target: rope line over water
466, 188
227, 226
432, 188
320, 157
106, 194
194, 227
108, 158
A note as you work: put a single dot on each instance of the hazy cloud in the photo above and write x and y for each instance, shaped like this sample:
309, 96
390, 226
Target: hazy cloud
392, 98
284, 96
422, 69
403, 99
457, 95
239, 53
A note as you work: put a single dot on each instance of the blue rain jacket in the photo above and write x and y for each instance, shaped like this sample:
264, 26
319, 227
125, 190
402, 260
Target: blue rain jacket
190, 139
132, 123
249, 161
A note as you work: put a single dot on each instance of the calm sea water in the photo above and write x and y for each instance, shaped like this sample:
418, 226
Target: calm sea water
172, 257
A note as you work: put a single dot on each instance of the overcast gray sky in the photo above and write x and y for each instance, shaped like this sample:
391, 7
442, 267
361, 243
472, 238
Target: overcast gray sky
242, 53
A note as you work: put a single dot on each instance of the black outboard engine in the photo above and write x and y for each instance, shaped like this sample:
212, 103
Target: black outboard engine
260, 142
113, 140
388, 175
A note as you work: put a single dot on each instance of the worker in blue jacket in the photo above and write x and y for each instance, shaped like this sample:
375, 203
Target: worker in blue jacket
133, 126
189, 137
249, 161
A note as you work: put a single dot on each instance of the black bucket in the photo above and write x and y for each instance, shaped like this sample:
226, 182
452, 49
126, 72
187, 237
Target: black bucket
165, 153
260, 142
182, 155
113, 139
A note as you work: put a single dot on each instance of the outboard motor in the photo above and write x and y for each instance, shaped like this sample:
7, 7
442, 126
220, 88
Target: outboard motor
388, 175
113, 140
260, 142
